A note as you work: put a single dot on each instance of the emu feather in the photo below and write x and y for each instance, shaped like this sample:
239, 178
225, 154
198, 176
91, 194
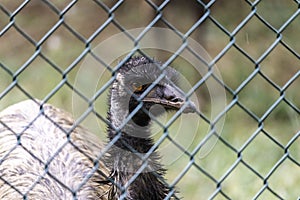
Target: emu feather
42, 159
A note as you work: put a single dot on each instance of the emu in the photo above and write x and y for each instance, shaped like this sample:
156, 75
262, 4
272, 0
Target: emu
44, 154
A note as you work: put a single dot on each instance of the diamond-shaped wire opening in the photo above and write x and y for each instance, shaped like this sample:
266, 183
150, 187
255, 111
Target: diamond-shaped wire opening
62, 40
262, 154
61, 95
255, 38
39, 73
240, 179
242, 126
276, 19
224, 13
82, 12
179, 142
216, 164
13, 94
103, 35
142, 16
282, 123
215, 39
96, 122
191, 10
235, 68
284, 178
289, 35
13, 42
280, 69
193, 182
258, 95
33, 15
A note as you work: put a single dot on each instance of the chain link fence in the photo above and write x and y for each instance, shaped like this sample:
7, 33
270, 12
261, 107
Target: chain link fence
253, 46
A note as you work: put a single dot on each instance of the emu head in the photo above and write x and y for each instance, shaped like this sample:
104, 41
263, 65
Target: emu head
142, 87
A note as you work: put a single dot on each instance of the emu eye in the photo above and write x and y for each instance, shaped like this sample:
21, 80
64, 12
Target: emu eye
137, 87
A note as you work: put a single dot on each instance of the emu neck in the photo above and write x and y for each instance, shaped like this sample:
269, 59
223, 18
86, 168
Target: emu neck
133, 143
135, 132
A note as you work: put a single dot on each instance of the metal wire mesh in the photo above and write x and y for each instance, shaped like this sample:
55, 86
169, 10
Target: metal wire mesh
44, 43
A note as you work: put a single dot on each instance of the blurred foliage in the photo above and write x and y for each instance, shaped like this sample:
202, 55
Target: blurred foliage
62, 48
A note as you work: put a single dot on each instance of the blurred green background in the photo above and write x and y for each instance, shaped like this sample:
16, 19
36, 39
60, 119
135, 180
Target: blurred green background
228, 162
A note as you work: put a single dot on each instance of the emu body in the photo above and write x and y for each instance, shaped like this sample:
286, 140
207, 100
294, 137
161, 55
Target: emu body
44, 154
41, 157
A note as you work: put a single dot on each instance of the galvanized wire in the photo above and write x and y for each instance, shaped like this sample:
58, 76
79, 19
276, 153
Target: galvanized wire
234, 93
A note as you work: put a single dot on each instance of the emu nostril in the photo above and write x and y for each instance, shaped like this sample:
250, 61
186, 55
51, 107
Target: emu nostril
172, 94
172, 97
176, 99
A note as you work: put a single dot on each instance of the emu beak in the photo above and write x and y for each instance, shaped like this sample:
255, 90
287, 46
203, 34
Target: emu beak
170, 97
